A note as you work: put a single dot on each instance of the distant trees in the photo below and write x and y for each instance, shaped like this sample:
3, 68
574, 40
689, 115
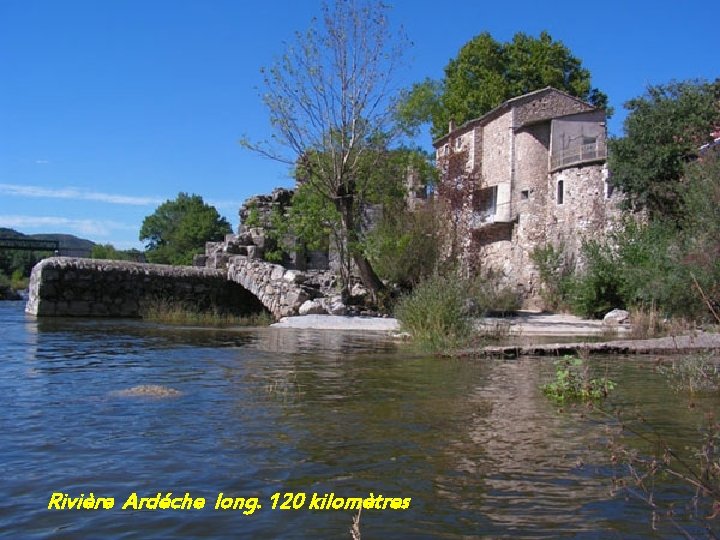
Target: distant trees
178, 229
663, 130
110, 252
486, 73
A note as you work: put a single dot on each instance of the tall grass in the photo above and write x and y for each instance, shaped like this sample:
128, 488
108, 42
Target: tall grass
434, 313
166, 311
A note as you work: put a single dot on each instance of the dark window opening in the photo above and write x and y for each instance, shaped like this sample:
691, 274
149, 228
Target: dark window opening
525, 194
609, 188
560, 192
485, 202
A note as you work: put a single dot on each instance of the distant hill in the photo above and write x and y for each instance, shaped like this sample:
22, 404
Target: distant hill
70, 245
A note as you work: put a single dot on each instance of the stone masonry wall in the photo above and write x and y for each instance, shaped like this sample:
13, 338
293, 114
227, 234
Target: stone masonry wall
67, 287
282, 291
496, 139
547, 106
586, 212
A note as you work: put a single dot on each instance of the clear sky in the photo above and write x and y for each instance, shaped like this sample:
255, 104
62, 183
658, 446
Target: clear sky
108, 108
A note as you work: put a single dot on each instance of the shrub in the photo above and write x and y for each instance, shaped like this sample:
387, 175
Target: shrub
485, 295
573, 382
596, 291
434, 313
404, 247
555, 275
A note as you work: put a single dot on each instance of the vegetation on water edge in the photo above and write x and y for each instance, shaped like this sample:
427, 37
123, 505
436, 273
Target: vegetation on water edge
573, 382
437, 313
693, 373
434, 313
177, 313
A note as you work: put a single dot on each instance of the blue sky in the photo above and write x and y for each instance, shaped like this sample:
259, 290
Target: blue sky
108, 108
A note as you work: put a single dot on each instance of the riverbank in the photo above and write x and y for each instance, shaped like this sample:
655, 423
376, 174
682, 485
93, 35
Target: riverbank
533, 327
523, 324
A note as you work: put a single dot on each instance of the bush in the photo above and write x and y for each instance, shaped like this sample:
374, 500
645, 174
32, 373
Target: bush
434, 313
404, 247
555, 275
596, 291
485, 295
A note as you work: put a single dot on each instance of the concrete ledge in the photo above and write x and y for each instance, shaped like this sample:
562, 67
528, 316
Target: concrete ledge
335, 322
700, 342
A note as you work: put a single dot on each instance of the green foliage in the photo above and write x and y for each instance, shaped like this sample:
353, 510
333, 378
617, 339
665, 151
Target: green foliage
485, 296
596, 290
434, 313
555, 275
329, 103
18, 281
404, 247
178, 229
669, 265
486, 73
573, 382
110, 252
663, 129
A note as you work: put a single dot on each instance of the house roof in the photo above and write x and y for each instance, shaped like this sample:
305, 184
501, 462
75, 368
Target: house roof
504, 106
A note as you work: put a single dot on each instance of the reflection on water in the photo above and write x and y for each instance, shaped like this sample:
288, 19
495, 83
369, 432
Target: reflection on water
254, 412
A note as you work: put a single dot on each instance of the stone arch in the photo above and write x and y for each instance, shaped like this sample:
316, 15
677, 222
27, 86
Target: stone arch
278, 289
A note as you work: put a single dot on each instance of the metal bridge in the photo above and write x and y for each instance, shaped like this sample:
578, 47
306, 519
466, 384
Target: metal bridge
27, 244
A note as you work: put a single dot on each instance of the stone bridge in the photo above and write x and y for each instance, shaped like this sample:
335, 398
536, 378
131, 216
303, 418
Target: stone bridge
63, 286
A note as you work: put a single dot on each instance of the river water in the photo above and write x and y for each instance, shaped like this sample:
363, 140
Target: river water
474, 444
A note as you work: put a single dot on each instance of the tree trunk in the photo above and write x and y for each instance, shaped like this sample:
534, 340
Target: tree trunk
367, 274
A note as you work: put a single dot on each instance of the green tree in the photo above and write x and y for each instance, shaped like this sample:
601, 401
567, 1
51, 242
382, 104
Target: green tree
110, 252
178, 229
663, 130
330, 108
486, 73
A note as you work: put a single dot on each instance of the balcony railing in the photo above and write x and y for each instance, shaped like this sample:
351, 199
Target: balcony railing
577, 154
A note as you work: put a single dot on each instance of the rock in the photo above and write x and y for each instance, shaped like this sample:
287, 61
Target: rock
254, 252
294, 276
358, 290
311, 307
616, 316
335, 306
148, 390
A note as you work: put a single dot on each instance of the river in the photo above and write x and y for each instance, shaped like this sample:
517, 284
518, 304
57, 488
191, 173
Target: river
257, 413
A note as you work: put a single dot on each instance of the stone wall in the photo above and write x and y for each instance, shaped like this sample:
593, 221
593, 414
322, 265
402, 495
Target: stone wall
587, 213
496, 151
67, 287
281, 290
544, 105
512, 147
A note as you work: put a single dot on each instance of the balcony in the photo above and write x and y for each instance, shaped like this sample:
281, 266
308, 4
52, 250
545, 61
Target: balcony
578, 154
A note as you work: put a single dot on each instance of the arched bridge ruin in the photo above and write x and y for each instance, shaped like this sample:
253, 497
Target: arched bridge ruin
70, 287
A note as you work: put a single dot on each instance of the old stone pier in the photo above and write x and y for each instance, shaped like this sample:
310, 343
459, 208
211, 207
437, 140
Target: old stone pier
70, 287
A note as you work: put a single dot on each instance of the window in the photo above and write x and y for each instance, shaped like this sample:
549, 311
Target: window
609, 188
485, 203
525, 194
458, 143
560, 192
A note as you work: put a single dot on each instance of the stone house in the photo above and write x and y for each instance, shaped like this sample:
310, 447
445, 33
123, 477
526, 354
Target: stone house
531, 172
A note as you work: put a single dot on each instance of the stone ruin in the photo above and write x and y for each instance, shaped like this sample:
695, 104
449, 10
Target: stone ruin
243, 256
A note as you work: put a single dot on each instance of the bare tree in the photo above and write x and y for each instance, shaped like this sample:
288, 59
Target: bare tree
330, 104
